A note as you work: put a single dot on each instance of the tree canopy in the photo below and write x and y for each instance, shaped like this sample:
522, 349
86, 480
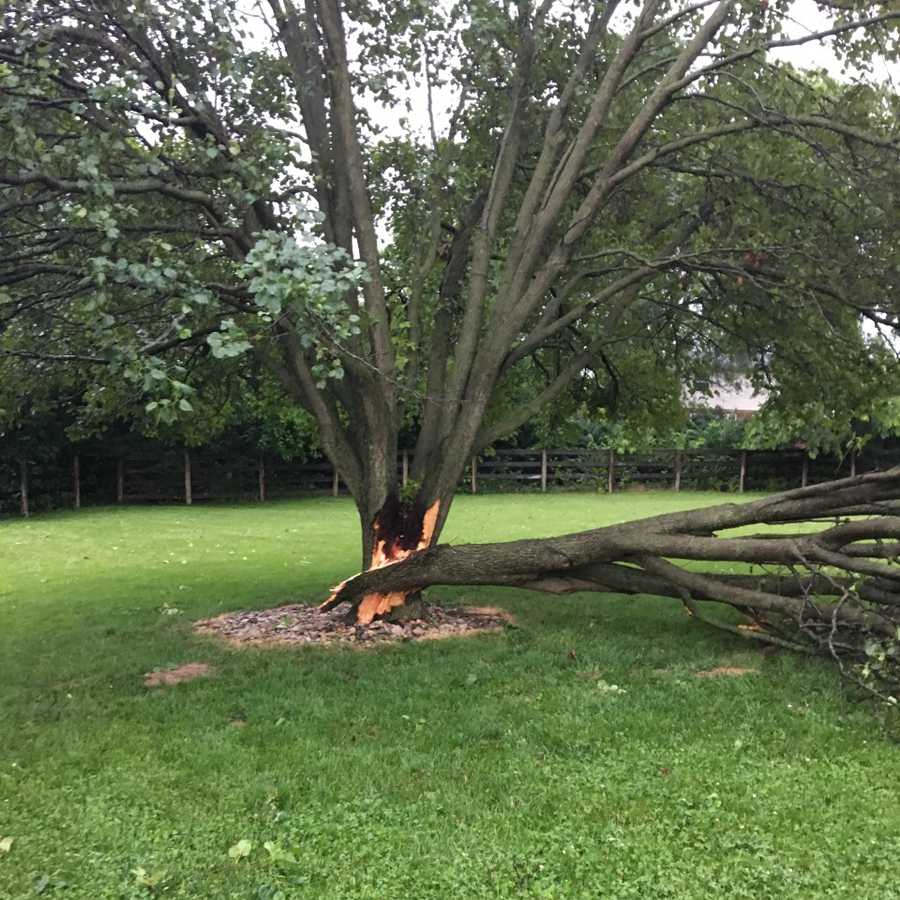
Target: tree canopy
619, 194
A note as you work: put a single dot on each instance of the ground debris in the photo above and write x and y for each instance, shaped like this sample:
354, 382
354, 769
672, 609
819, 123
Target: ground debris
725, 672
184, 672
299, 624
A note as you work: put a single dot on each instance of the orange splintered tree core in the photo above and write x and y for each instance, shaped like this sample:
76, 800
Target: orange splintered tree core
387, 552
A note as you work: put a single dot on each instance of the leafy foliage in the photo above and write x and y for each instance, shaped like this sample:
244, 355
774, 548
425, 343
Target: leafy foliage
312, 283
487, 215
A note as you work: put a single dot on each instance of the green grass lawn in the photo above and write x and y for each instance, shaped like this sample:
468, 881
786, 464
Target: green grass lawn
495, 766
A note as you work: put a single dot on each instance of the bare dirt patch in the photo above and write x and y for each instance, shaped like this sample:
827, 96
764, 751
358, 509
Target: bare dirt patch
184, 672
725, 672
299, 625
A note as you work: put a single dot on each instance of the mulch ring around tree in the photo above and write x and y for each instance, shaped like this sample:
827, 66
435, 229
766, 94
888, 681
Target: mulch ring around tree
299, 625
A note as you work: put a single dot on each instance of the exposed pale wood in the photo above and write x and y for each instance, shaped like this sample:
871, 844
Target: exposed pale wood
335, 484
387, 551
743, 470
611, 477
474, 475
544, 469
677, 470
405, 475
572, 180
853, 464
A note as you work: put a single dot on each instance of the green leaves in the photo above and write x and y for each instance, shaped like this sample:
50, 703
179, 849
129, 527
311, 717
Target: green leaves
309, 277
278, 855
240, 850
315, 286
149, 880
229, 342
150, 183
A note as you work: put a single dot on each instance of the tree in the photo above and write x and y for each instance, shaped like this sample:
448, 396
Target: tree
647, 178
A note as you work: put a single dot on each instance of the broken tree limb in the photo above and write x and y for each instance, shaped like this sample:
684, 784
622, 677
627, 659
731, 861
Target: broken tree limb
841, 578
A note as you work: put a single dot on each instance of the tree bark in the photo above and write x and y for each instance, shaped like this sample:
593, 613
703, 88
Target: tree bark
396, 532
23, 488
76, 481
818, 590
482, 320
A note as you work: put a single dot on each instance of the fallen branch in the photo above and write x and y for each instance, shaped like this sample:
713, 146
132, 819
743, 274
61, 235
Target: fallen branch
823, 590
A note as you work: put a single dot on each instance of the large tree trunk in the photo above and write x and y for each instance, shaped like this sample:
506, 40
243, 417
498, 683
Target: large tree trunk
830, 589
394, 526
396, 532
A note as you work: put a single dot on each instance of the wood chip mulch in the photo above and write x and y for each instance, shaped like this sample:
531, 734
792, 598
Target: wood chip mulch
298, 625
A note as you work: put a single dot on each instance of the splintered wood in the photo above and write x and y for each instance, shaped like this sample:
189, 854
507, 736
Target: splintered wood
387, 552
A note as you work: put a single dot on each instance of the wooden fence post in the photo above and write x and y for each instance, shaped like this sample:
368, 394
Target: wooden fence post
804, 475
261, 477
23, 487
474, 475
611, 477
853, 464
188, 492
335, 484
76, 480
544, 469
120, 480
743, 470
405, 467
677, 470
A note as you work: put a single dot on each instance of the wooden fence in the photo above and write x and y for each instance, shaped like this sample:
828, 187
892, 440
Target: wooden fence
698, 469
156, 474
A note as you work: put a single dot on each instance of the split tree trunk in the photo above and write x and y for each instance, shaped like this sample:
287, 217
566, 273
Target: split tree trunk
816, 590
397, 532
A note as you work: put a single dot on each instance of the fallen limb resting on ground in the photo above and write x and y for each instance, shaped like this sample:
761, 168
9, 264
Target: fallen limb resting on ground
834, 588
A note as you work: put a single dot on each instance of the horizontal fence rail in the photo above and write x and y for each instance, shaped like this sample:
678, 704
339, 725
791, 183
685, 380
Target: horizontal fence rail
96, 476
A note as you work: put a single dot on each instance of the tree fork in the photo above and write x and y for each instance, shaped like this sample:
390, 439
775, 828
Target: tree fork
399, 530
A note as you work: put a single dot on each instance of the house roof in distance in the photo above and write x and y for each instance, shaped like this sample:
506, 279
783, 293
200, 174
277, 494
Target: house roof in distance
738, 397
